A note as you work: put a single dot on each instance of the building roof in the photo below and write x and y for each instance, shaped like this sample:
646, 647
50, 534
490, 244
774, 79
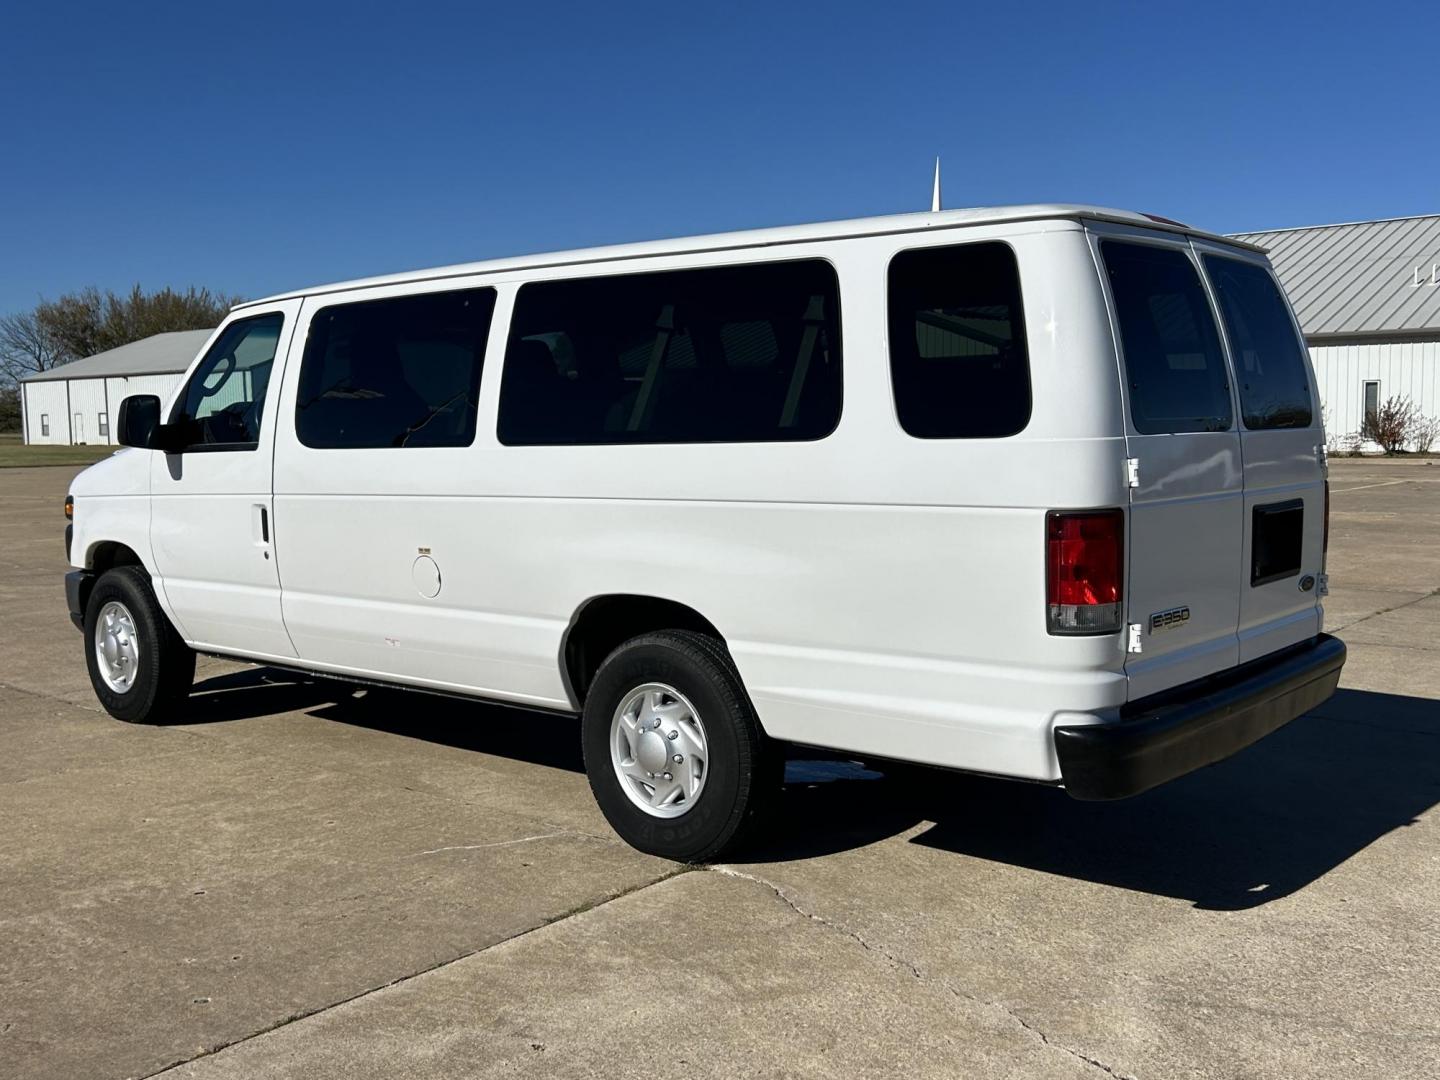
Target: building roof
161, 354
759, 238
1358, 279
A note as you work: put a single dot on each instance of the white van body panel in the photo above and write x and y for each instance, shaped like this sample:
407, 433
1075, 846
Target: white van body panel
881, 594
115, 493
796, 552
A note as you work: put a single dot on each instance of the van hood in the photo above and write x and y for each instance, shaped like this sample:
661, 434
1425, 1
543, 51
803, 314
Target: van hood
125, 472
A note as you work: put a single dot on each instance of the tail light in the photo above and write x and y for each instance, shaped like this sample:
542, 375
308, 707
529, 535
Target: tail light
1084, 571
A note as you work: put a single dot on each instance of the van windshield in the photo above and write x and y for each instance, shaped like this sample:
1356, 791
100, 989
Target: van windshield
1269, 359
1174, 367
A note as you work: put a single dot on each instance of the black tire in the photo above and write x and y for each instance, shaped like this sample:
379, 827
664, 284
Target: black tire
166, 666
743, 770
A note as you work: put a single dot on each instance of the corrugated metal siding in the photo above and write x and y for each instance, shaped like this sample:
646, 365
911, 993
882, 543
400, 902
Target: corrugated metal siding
162, 386
1404, 369
47, 399
87, 404
1359, 278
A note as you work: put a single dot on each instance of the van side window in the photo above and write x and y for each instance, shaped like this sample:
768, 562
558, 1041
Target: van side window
403, 371
730, 354
1174, 367
958, 359
1267, 353
224, 401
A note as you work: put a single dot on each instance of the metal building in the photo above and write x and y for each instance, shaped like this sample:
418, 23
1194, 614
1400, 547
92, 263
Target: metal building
1367, 295
74, 403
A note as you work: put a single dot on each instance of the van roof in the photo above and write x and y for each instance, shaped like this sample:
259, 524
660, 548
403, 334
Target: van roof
787, 234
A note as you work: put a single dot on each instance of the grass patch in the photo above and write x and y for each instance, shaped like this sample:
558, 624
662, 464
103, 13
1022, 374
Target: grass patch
15, 454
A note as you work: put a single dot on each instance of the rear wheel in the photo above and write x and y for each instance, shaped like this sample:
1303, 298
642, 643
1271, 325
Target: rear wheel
140, 668
673, 749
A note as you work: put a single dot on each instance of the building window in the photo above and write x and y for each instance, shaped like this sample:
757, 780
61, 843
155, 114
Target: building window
104, 425
722, 354
44, 423
403, 371
1372, 401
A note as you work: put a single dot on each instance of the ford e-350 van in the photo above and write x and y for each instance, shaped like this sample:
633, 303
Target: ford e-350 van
1037, 492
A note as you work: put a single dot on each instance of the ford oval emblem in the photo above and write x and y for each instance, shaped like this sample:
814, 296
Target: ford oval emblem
1307, 583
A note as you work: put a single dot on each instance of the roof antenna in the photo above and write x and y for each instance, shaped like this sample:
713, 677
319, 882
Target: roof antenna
935, 195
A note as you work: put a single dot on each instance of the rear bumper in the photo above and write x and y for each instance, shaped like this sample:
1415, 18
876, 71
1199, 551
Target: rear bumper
1170, 734
78, 584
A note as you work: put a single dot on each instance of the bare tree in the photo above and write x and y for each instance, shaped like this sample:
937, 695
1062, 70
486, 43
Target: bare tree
27, 346
1391, 425
1426, 430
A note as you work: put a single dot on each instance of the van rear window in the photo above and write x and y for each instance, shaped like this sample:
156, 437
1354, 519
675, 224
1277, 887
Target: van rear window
1174, 366
958, 360
1269, 359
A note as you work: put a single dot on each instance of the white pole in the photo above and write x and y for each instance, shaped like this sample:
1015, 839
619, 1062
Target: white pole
935, 195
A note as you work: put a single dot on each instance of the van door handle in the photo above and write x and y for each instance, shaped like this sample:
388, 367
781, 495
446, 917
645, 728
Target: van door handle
262, 524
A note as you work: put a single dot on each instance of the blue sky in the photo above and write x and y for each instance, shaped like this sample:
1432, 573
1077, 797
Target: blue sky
253, 148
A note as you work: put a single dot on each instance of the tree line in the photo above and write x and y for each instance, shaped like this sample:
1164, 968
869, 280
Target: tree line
83, 323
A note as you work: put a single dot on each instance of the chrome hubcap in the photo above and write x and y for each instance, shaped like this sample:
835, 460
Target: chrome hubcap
117, 648
658, 749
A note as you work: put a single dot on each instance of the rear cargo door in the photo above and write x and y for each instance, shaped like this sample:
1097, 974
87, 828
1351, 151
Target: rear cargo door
1186, 483
1282, 448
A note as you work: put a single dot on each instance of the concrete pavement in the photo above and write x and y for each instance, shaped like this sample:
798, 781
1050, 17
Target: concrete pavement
310, 881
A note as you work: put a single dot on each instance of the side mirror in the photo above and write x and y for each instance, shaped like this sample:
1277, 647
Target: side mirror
138, 424
138, 421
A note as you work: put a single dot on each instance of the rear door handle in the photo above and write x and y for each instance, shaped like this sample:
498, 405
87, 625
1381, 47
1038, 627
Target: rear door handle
262, 524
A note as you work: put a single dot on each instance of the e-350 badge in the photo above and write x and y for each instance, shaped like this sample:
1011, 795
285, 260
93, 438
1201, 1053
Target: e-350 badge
1169, 620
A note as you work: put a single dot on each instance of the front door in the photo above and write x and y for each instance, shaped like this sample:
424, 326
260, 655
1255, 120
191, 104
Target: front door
212, 525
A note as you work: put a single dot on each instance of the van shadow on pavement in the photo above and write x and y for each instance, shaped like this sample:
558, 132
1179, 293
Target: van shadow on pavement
1240, 834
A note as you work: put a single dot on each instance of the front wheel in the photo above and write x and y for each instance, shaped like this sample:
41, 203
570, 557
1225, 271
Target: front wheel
673, 749
139, 666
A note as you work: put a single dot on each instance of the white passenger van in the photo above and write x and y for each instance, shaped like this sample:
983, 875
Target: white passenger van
1037, 492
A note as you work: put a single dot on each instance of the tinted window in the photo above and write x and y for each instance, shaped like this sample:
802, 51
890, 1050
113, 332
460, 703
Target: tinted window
734, 354
1173, 362
1268, 356
224, 400
958, 360
398, 372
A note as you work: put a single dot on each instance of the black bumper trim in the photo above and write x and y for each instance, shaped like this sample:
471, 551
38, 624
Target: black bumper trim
1170, 734
78, 584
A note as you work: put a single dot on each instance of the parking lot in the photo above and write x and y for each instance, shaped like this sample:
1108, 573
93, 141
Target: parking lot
311, 881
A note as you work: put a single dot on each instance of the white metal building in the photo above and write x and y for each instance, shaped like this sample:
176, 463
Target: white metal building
1367, 295
75, 403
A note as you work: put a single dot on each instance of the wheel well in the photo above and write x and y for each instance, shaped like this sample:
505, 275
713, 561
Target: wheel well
109, 554
604, 623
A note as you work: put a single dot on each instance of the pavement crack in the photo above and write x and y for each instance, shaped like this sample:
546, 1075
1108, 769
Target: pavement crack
1385, 611
497, 843
920, 976
305, 1014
